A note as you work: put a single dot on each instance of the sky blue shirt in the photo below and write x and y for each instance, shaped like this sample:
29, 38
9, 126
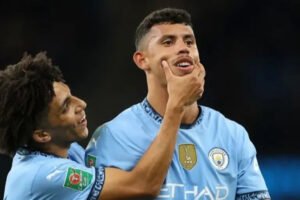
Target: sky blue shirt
76, 153
39, 176
214, 158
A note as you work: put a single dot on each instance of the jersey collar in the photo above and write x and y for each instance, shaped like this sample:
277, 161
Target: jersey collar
23, 151
158, 118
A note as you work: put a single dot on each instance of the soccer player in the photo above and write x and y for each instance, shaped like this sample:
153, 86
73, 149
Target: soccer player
40, 119
214, 158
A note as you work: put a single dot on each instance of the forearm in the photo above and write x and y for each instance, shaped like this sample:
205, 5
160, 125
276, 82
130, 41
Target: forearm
154, 165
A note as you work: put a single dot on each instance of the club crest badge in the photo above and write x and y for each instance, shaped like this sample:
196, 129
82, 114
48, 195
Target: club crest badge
218, 158
187, 156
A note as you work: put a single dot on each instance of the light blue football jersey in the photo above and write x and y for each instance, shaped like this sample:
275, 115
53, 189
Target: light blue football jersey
76, 153
38, 176
214, 158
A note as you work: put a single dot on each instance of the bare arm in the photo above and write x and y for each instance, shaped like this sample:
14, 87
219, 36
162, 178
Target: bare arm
146, 178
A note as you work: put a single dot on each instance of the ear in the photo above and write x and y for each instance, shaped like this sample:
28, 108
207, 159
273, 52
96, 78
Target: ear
41, 136
140, 60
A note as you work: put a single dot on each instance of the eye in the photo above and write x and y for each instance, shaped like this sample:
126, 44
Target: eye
189, 42
167, 42
65, 107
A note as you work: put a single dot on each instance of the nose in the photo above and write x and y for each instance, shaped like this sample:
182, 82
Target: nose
183, 48
81, 105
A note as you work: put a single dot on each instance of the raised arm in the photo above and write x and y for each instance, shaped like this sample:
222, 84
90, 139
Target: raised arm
146, 178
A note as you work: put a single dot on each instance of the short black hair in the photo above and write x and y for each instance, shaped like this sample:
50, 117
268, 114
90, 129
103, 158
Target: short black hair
26, 90
162, 16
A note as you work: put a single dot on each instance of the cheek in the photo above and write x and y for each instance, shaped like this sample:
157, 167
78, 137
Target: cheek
70, 132
67, 128
160, 53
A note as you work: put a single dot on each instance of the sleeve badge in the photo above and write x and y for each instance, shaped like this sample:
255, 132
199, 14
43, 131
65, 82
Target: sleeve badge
77, 179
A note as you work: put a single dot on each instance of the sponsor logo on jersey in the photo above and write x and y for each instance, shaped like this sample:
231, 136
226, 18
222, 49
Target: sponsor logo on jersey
91, 160
254, 195
187, 156
77, 179
187, 192
219, 158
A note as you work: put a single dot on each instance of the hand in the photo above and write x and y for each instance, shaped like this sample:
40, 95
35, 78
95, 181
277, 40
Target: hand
185, 90
201, 77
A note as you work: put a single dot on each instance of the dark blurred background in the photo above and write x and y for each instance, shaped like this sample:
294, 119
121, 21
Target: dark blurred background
250, 49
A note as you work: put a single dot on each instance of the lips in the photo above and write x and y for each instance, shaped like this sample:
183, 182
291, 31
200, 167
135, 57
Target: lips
83, 121
184, 64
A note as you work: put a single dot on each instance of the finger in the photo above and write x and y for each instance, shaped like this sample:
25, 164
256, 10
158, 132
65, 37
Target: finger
167, 69
197, 69
198, 63
203, 71
201, 68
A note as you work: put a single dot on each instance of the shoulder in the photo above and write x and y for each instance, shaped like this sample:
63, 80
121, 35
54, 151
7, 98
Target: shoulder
213, 116
131, 114
61, 174
217, 122
231, 135
58, 167
50, 177
124, 121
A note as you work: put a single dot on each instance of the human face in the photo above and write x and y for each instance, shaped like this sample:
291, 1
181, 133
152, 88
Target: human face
66, 116
174, 43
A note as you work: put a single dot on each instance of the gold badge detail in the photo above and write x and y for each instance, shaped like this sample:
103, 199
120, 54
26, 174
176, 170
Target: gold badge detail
187, 156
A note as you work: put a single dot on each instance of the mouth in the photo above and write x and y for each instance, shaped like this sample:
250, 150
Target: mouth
83, 121
184, 64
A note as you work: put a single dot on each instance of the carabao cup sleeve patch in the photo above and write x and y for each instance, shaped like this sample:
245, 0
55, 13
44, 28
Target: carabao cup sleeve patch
77, 179
91, 160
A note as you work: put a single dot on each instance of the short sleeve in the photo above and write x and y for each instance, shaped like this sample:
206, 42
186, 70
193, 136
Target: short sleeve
251, 184
68, 180
107, 150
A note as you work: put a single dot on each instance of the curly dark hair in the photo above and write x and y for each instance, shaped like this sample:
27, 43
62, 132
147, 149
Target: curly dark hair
26, 90
163, 16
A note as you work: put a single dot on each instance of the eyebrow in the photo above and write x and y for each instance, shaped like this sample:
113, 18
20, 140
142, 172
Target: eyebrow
189, 36
169, 36
174, 36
